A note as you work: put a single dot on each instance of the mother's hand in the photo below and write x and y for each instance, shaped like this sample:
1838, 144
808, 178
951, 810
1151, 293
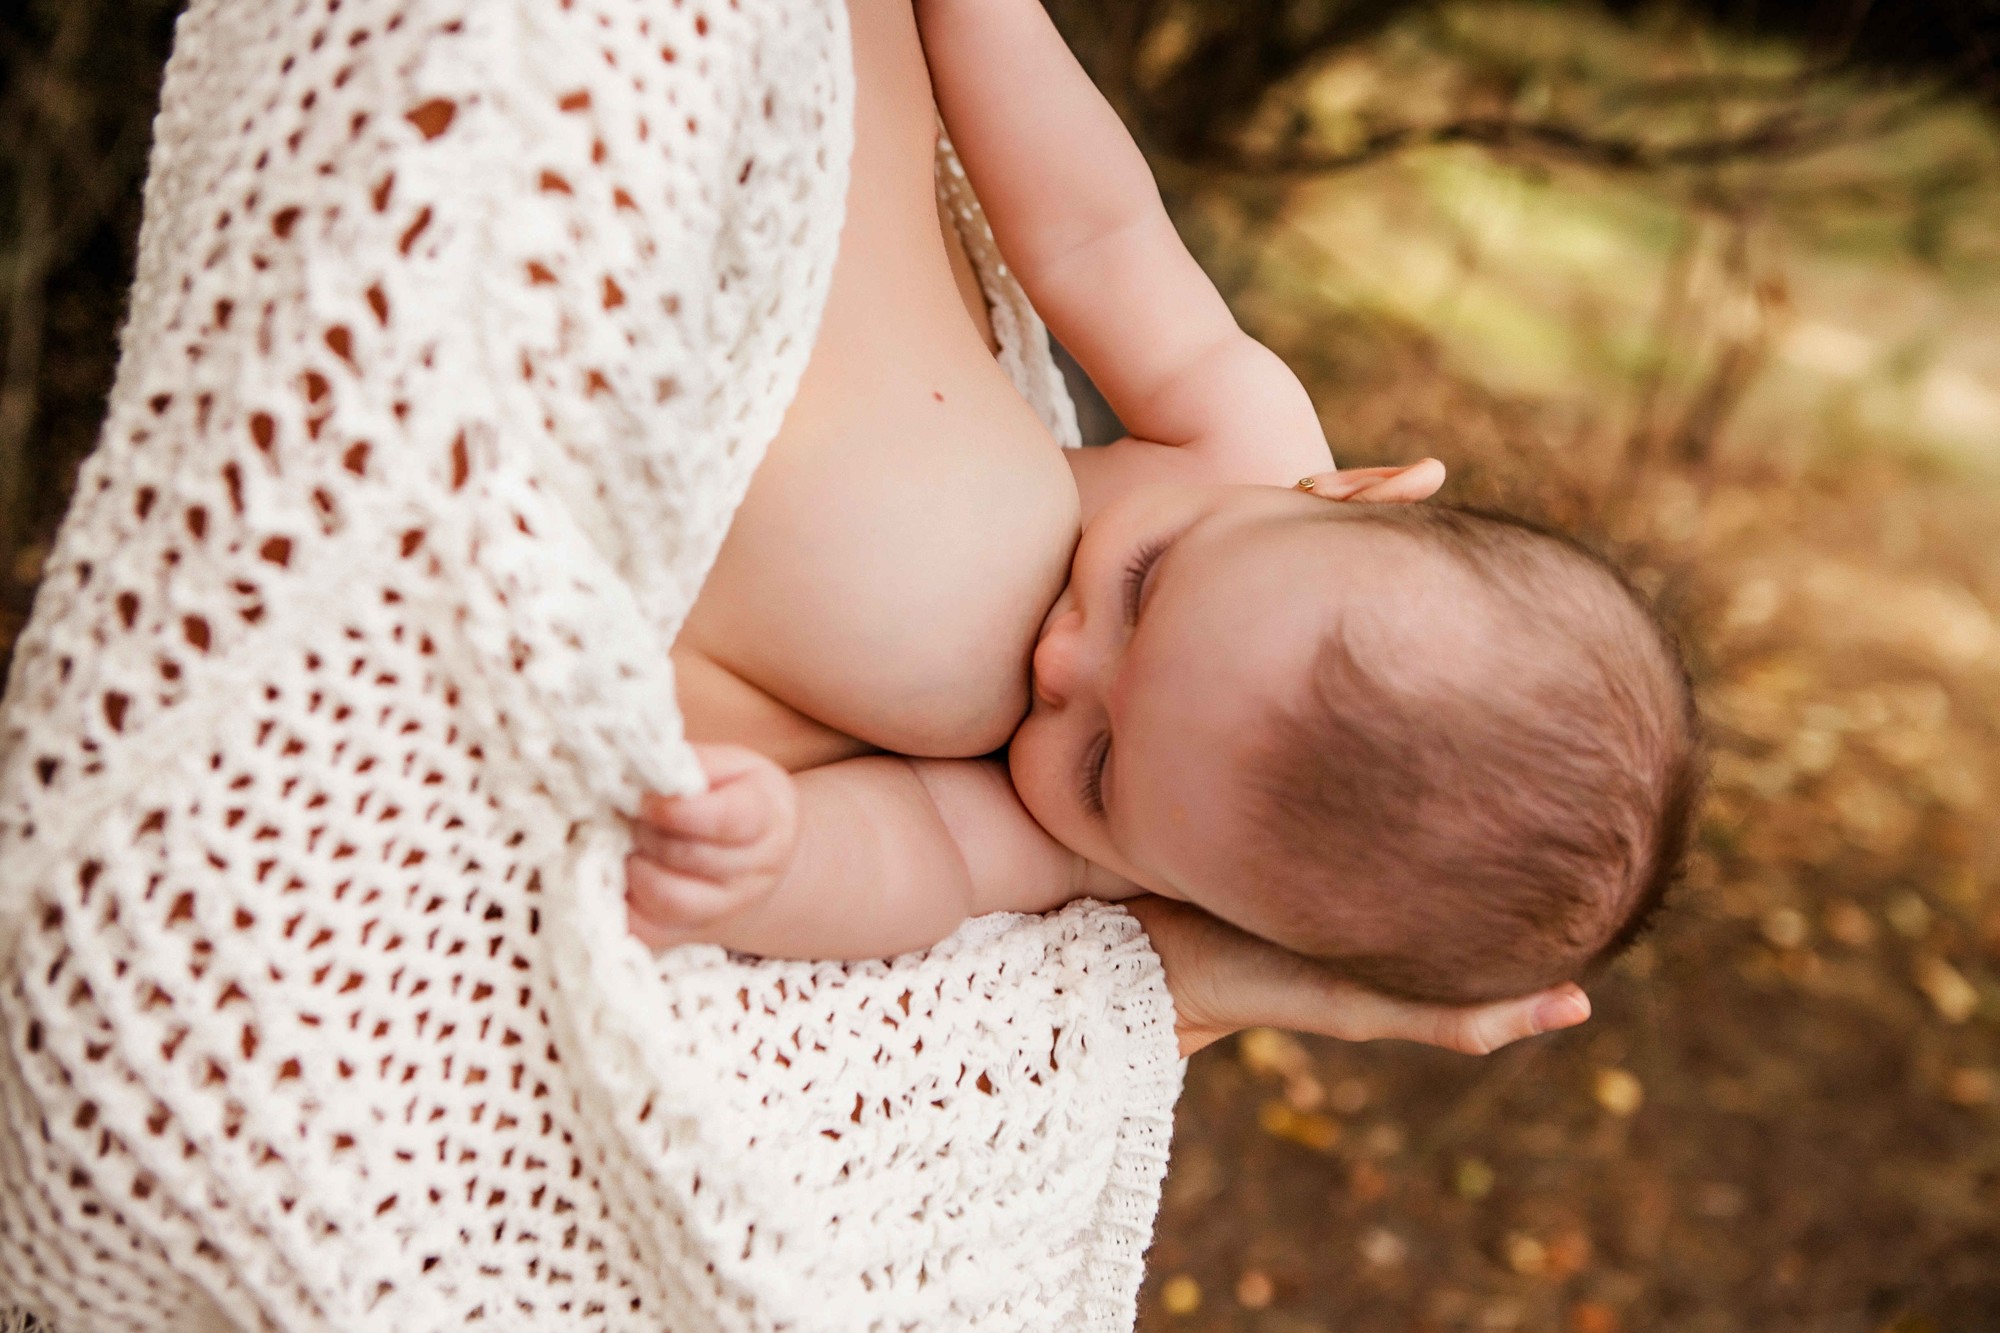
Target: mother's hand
1224, 980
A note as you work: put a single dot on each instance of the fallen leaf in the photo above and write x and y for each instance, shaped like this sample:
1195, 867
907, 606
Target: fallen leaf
1383, 1140
1180, 1295
1255, 1290
1593, 1317
1618, 1091
1785, 928
1308, 1129
1954, 998
1383, 1248
1271, 1052
1910, 915
1472, 1179
1569, 1253
1846, 922
1305, 1093
1526, 1255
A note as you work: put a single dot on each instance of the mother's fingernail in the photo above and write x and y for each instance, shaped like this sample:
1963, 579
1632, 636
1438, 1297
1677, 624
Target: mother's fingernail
1562, 1011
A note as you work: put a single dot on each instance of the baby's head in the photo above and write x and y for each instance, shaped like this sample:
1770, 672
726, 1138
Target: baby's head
1447, 751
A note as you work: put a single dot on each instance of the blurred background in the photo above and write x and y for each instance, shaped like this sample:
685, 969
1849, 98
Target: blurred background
1715, 285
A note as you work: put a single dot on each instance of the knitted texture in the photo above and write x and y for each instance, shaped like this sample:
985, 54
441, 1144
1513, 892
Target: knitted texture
458, 331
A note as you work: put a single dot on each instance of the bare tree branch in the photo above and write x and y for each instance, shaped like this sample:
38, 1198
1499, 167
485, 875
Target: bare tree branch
1785, 134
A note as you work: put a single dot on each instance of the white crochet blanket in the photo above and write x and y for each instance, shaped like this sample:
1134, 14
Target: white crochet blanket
459, 328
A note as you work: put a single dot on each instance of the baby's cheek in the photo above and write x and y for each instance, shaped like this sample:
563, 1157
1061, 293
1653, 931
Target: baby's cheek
1029, 763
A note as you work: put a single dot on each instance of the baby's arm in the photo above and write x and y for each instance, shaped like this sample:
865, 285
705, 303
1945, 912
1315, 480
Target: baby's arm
866, 858
1077, 214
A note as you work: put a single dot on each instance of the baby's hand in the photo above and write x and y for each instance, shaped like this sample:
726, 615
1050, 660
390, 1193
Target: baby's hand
699, 861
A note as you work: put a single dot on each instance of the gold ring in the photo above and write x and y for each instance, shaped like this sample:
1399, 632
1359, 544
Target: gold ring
1305, 483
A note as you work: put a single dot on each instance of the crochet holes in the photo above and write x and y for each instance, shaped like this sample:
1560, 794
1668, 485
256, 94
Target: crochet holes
316, 390
416, 229
433, 118
340, 341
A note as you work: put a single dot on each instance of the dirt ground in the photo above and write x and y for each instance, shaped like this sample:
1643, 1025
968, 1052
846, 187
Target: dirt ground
1771, 385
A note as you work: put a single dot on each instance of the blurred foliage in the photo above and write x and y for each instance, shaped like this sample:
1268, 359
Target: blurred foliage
1718, 287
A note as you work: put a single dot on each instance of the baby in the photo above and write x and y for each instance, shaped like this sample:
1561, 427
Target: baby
1445, 751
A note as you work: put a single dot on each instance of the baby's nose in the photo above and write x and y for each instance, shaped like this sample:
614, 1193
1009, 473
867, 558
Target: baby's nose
1059, 659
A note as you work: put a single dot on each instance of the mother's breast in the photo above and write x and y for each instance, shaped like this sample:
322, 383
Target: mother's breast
889, 569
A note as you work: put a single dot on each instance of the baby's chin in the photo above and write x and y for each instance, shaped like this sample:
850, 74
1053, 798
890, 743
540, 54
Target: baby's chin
1036, 780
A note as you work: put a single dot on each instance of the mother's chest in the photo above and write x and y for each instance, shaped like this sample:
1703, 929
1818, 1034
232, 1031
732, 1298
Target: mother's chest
891, 587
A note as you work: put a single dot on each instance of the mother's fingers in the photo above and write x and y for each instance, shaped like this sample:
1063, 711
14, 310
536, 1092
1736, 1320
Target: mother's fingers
1223, 980
1483, 1029
1379, 485
1315, 1000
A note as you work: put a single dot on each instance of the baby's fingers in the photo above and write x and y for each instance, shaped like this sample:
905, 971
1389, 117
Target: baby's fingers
697, 858
734, 815
664, 908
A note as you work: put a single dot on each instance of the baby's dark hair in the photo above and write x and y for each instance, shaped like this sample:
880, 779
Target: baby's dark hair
1458, 836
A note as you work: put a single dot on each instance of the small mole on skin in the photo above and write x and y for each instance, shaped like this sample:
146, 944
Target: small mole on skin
935, 394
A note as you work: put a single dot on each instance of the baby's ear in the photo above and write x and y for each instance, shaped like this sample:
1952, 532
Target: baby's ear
1380, 485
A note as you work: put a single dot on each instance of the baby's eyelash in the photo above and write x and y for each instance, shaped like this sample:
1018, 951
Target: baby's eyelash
1135, 575
1093, 775
1135, 582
